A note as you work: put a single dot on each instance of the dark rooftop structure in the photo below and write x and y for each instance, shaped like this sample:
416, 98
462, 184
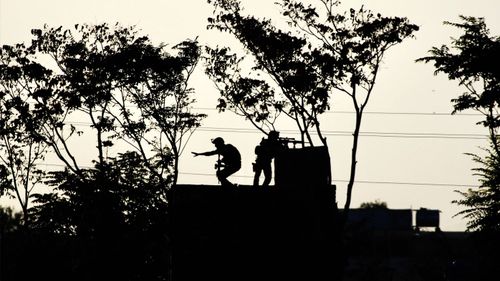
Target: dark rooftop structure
250, 233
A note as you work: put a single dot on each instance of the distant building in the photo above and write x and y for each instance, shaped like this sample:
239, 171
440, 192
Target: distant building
383, 219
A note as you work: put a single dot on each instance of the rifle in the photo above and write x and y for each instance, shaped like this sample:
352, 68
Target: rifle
286, 141
218, 165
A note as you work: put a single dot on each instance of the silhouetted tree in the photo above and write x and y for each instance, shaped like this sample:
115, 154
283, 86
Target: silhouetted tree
292, 84
127, 87
483, 205
157, 84
377, 204
112, 216
117, 224
20, 152
473, 60
333, 53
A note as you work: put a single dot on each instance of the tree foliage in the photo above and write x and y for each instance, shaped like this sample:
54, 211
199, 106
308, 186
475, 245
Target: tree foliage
290, 85
129, 89
20, 152
483, 205
126, 90
377, 204
10, 220
109, 218
109, 77
126, 194
473, 60
93, 227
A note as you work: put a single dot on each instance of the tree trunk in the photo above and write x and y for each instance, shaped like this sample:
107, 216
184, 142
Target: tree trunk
176, 167
352, 177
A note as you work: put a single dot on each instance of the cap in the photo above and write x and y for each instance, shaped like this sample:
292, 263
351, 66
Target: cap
218, 140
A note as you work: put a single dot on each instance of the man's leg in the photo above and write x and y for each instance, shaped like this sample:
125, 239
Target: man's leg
267, 174
223, 174
258, 170
222, 177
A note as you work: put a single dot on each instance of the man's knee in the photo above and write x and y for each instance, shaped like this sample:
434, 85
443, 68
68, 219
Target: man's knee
226, 172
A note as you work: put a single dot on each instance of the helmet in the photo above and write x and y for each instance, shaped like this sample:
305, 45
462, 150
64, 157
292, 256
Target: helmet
274, 135
218, 140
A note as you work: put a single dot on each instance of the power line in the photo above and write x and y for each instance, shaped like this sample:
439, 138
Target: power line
411, 183
406, 113
365, 112
359, 181
62, 165
335, 180
379, 112
348, 133
352, 112
409, 135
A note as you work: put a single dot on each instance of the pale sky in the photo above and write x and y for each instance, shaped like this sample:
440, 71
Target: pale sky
412, 155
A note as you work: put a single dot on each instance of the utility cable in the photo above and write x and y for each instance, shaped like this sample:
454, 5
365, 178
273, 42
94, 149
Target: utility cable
361, 181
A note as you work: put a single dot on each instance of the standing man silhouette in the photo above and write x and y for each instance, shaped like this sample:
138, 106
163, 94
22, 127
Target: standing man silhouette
230, 162
265, 152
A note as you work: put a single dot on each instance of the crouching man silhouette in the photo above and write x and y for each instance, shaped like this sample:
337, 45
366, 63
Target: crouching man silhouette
230, 162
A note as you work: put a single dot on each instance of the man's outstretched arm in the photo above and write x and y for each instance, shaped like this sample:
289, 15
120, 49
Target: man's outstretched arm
208, 153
